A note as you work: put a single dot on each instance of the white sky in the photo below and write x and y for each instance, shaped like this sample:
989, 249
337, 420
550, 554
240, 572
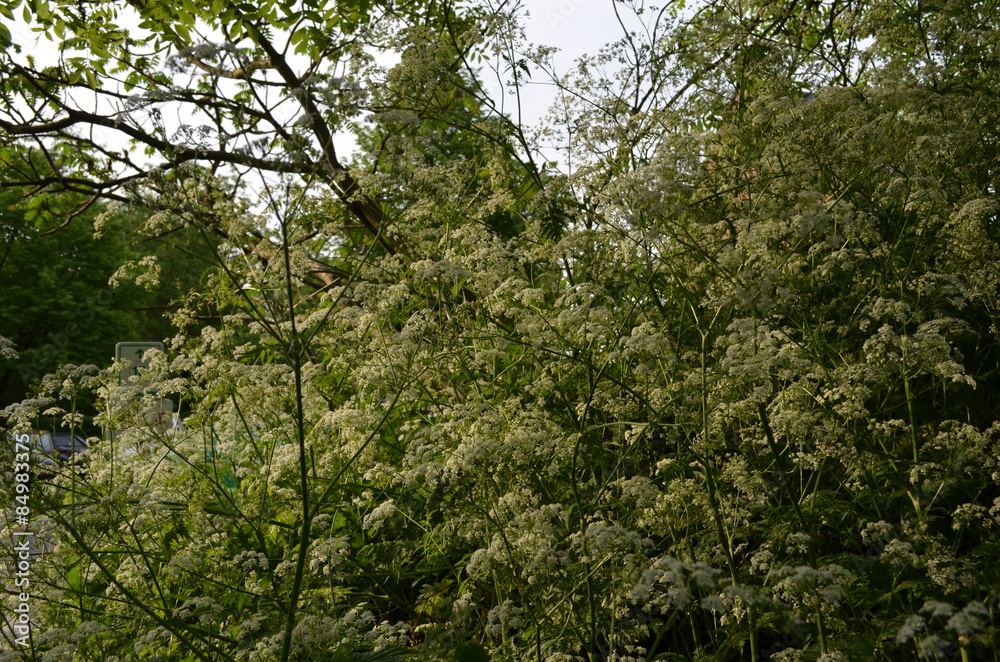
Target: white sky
576, 28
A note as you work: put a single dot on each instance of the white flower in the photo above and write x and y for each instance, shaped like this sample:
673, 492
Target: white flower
899, 554
913, 626
713, 603
972, 619
877, 533
251, 561
934, 648
326, 555
936, 609
377, 518
798, 542
7, 350
503, 619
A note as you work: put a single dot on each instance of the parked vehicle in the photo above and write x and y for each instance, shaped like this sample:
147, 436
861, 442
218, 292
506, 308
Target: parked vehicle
51, 447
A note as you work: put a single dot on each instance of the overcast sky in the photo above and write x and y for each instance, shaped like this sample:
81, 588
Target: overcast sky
576, 28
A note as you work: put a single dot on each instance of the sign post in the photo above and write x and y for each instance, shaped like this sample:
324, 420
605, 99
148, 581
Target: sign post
162, 414
134, 353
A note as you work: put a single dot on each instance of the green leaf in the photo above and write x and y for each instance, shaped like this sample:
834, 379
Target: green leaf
471, 651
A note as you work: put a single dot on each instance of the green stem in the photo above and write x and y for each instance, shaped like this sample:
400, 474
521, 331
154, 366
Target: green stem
821, 630
781, 461
724, 538
910, 407
295, 356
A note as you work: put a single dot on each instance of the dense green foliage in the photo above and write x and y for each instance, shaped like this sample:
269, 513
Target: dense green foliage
729, 389
57, 305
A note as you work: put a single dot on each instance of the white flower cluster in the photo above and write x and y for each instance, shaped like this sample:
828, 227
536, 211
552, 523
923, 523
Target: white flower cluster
326, 555
946, 619
378, 517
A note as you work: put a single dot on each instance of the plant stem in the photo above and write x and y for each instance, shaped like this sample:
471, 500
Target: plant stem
295, 357
913, 420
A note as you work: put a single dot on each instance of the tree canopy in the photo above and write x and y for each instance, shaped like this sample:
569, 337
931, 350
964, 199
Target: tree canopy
719, 383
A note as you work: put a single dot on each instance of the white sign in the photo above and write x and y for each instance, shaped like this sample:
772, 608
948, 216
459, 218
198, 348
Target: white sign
134, 353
